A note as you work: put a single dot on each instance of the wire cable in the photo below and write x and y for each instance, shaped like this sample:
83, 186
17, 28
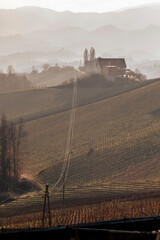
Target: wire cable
66, 162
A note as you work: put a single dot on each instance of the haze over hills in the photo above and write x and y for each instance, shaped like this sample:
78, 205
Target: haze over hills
106, 38
23, 19
23, 61
131, 33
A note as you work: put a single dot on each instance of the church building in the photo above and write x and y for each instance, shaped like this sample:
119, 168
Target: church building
108, 67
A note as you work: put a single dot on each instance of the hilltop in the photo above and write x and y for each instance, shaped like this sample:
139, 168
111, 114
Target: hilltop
35, 103
49, 19
54, 76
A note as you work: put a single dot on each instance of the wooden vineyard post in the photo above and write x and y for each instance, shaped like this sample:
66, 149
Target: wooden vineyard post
46, 201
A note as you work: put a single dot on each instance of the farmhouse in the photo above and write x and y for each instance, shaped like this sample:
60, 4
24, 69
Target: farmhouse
108, 67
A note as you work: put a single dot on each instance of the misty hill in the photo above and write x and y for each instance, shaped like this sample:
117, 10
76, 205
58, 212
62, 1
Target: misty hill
66, 46
131, 33
44, 23
29, 19
23, 20
24, 61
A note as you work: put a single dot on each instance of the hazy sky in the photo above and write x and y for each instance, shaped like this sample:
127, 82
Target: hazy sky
76, 5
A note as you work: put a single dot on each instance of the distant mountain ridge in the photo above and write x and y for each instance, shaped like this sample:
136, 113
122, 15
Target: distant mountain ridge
107, 38
29, 19
115, 34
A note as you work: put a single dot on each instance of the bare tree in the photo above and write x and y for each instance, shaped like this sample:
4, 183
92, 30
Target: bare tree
139, 75
10, 69
5, 151
20, 135
11, 136
17, 134
3, 147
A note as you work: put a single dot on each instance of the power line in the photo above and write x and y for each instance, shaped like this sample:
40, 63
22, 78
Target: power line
66, 162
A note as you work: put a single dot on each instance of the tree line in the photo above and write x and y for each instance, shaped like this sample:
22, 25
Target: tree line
13, 81
11, 136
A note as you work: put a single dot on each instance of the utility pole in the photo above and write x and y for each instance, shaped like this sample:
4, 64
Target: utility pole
46, 201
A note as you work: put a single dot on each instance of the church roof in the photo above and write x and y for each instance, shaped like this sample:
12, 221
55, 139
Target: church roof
118, 62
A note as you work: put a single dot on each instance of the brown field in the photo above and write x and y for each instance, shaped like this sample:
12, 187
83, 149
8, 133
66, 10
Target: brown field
123, 132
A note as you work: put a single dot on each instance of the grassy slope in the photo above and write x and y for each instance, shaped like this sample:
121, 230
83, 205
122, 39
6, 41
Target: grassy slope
124, 132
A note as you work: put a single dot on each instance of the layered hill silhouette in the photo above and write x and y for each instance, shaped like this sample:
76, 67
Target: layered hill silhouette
49, 19
33, 29
106, 38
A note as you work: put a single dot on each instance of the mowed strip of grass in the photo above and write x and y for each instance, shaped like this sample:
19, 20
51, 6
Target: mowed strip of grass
116, 141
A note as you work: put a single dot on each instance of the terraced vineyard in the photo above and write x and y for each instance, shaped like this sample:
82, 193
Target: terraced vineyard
123, 133
97, 212
115, 149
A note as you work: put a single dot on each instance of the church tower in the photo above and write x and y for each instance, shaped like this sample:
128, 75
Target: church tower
92, 54
85, 56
